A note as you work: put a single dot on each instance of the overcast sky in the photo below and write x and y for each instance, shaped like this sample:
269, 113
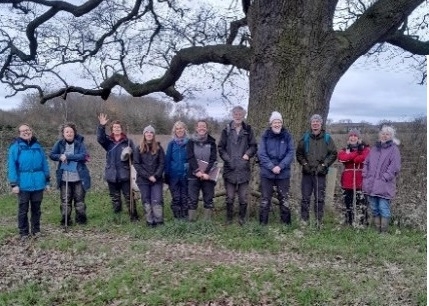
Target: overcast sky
367, 92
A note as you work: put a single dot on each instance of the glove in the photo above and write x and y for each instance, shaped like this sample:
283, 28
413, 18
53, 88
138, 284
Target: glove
15, 189
306, 169
321, 169
361, 147
126, 152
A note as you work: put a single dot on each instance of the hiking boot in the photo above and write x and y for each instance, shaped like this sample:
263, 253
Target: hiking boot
192, 215
37, 235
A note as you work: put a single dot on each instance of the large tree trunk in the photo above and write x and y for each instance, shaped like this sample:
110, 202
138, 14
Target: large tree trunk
294, 69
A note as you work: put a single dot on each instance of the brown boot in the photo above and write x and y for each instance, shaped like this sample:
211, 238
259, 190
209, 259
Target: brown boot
377, 223
384, 226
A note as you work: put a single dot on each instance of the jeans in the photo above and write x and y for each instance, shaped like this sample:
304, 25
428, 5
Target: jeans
152, 200
179, 197
380, 207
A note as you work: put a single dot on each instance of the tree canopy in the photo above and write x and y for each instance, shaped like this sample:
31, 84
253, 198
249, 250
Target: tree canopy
293, 52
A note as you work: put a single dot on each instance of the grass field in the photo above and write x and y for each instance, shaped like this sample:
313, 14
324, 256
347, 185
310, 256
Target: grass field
111, 261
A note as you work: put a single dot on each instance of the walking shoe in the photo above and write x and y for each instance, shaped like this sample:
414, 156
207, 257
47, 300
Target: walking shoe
37, 235
23, 238
303, 224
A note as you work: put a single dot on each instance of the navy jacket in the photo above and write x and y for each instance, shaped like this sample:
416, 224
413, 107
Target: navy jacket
276, 150
80, 156
116, 170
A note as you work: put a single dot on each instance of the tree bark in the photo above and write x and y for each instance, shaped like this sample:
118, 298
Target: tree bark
292, 68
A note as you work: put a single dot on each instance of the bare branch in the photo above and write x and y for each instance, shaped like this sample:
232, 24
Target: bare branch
409, 43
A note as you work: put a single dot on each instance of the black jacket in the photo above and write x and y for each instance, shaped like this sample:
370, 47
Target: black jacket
232, 147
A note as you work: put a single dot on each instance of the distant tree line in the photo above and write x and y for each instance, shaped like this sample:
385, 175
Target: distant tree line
134, 113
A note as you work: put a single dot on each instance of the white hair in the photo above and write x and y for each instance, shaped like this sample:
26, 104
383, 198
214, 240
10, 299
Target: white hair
391, 130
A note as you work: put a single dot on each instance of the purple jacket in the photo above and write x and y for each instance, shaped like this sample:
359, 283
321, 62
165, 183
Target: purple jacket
380, 169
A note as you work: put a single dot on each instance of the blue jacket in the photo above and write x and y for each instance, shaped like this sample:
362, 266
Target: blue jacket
276, 150
80, 156
116, 170
28, 167
176, 165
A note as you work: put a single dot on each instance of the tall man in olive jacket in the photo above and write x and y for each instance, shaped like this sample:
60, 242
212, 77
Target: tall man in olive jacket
236, 146
316, 152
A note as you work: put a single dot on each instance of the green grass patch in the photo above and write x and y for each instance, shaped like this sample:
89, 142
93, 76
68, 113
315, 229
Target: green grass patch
112, 261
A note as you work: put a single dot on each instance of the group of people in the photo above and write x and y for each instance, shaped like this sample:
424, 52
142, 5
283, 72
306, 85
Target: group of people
189, 166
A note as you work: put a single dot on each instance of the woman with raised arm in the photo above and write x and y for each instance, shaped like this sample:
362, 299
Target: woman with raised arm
119, 149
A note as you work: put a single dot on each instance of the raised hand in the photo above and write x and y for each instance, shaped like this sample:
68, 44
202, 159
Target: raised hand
102, 118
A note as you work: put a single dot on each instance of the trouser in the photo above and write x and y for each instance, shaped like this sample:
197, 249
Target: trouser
194, 187
75, 193
231, 191
151, 194
179, 197
32, 200
361, 207
115, 190
313, 184
282, 186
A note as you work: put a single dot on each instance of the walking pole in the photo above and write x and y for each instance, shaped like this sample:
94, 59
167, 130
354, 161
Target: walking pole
132, 207
67, 202
354, 193
317, 202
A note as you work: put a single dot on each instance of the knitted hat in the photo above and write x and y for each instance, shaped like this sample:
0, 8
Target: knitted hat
316, 117
276, 116
355, 132
149, 128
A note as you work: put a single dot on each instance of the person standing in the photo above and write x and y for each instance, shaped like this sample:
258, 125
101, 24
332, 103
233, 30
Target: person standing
73, 177
236, 146
28, 176
201, 154
276, 153
118, 149
352, 157
176, 167
380, 170
148, 160
316, 152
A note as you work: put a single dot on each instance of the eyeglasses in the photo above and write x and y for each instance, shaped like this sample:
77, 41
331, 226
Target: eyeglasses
25, 131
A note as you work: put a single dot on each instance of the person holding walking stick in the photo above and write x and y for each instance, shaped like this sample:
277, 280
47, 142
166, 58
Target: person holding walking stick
73, 178
316, 151
352, 157
117, 171
28, 176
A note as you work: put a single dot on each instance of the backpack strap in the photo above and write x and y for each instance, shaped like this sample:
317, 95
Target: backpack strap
306, 138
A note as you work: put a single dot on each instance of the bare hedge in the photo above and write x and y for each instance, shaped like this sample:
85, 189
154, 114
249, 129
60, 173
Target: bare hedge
408, 209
